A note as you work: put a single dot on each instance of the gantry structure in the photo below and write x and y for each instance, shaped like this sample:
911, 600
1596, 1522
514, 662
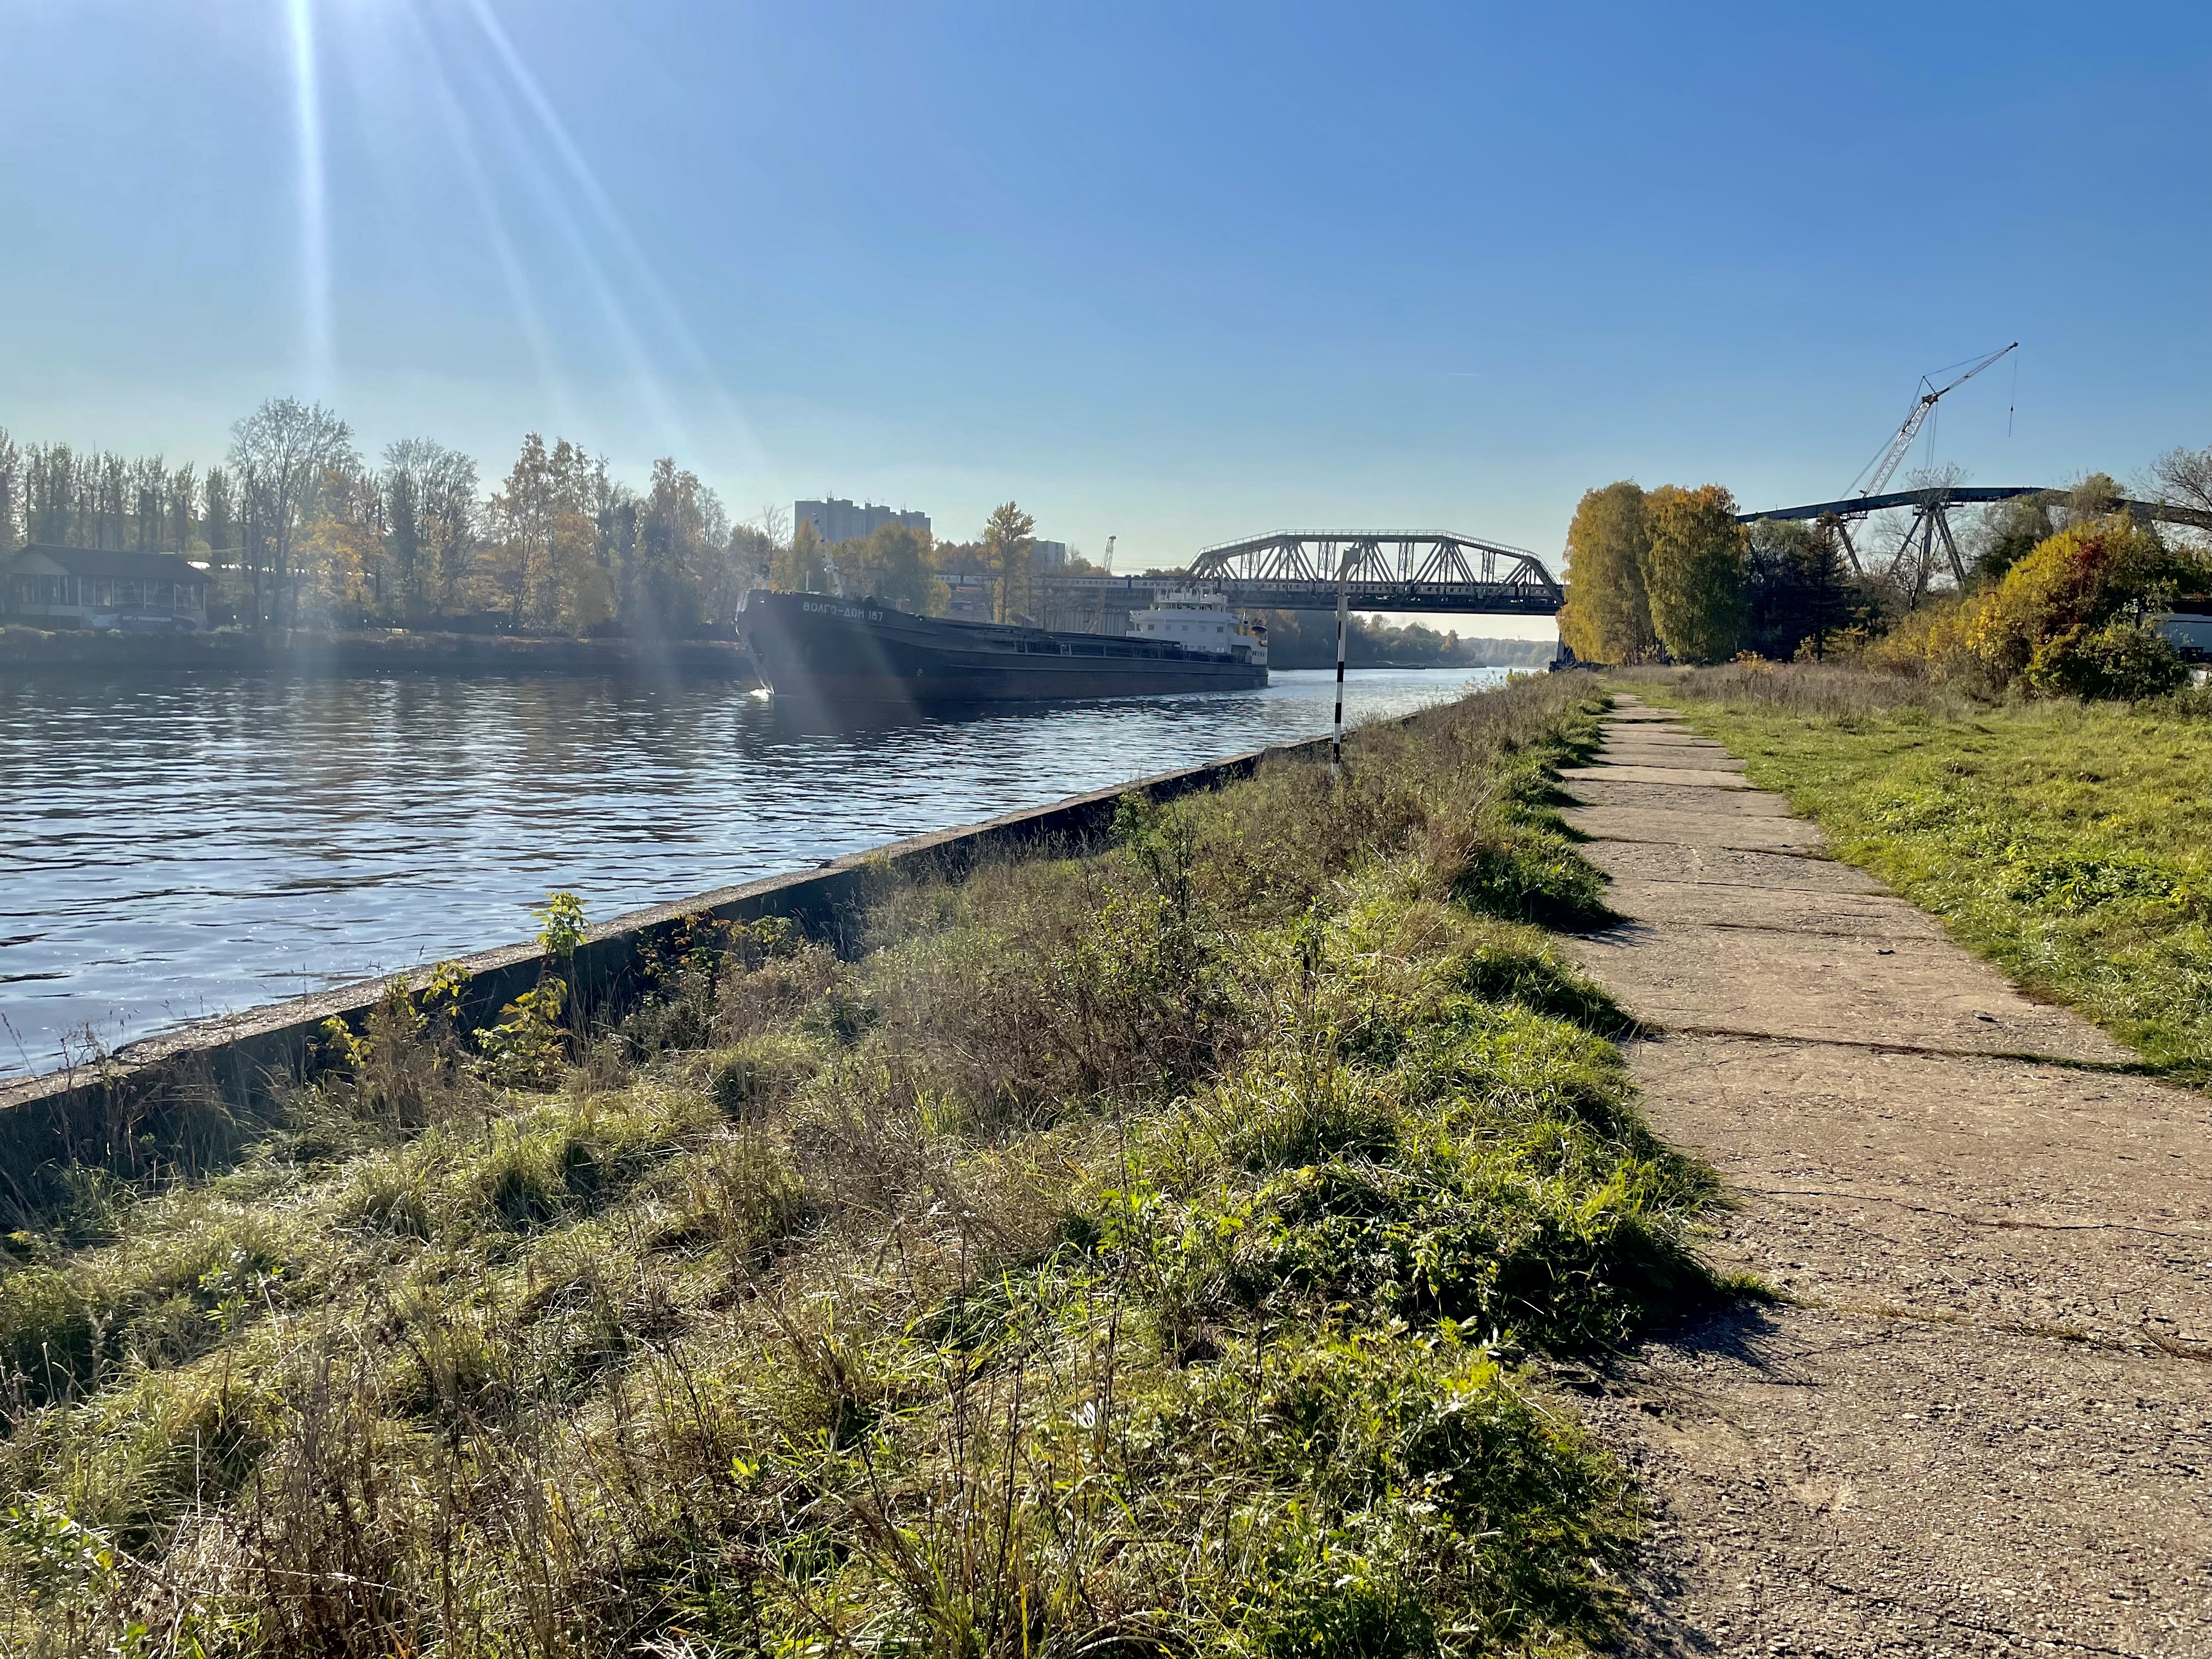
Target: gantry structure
1929, 543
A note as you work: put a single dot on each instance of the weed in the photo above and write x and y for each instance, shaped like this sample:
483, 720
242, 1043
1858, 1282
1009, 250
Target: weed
1127, 1252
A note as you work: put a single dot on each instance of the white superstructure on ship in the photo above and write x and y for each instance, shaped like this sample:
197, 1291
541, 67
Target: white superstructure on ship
1199, 621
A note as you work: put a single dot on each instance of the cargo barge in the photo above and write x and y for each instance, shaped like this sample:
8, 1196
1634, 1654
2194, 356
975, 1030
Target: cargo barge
839, 653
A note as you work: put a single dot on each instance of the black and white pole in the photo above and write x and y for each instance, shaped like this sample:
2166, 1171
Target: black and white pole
1336, 742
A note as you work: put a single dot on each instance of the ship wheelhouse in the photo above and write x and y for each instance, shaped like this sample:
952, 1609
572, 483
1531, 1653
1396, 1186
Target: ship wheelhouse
1201, 623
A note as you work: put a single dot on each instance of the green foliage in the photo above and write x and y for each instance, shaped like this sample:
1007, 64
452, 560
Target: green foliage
803, 567
2121, 660
562, 926
2064, 621
1608, 615
1140, 1250
1798, 590
893, 565
1694, 572
526, 1048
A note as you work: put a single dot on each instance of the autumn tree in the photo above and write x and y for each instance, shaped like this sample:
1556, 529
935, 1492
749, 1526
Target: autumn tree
1608, 615
430, 519
542, 561
339, 575
1009, 539
676, 574
893, 565
752, 552
803, 567
11, 491
1694, 572
282, 452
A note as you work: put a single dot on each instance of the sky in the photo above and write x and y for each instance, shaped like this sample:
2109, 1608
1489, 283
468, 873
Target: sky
1175, 273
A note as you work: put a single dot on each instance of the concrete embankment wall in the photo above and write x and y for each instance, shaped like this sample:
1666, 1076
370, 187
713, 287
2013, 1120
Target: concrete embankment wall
186, 1101
314, 655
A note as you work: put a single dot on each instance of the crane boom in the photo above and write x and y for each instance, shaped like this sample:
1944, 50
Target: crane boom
1886, 463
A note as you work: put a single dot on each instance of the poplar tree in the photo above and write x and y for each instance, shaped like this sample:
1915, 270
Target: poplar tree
1607, 614
11, 490
804, 566
1694, 572
218, 524
1008, 542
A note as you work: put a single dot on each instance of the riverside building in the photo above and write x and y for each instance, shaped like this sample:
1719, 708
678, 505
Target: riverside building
43, 586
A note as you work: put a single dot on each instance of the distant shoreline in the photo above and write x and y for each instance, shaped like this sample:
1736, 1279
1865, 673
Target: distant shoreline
317, 655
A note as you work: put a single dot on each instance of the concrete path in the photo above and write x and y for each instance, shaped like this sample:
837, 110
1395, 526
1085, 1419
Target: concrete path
1982, 1423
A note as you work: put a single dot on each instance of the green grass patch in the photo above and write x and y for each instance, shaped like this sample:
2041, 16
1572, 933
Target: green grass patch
2071, 843
1151, 1252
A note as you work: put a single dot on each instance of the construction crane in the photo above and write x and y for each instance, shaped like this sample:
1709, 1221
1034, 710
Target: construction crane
1886, 463
1110, 556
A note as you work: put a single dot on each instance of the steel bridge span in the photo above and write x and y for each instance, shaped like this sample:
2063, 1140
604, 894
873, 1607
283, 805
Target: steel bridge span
1431, 571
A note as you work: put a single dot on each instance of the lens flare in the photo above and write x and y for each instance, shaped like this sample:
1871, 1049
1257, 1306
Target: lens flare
317, 344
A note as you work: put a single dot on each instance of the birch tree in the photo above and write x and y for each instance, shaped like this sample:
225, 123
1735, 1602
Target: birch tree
281, 452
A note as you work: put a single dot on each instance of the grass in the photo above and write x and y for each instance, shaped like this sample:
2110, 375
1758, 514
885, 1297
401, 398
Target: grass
2071, 843
1157, 1251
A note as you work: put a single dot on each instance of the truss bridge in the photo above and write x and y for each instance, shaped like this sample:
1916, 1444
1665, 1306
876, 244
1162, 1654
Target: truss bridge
1404, 570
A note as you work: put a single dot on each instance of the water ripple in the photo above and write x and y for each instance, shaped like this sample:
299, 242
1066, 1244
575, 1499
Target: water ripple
182, 848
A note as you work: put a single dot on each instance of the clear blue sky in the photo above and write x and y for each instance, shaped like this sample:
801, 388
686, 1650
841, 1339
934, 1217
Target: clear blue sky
1174, 272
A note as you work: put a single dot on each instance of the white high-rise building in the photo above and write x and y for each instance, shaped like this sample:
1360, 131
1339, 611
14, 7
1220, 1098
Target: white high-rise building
837, 521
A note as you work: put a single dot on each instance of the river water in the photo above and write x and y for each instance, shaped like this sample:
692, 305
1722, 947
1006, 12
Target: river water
176, 848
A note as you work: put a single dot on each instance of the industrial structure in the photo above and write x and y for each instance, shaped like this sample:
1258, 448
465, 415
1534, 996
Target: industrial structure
1915, 561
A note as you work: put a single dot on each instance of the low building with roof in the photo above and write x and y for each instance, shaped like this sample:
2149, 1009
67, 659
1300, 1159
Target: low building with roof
45, 586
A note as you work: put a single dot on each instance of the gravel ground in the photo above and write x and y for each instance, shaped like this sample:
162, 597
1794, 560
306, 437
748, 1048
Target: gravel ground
1980, 1419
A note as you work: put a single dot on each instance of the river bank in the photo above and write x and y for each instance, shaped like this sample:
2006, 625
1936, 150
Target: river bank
1165, 1246
302, 654
194, 844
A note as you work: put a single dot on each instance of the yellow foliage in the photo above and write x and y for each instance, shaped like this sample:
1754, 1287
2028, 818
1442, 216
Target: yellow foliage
2057, 624
1606, 616
1694, 572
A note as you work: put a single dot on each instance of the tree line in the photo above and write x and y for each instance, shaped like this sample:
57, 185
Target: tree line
297, 529
1668, 574
1670, 571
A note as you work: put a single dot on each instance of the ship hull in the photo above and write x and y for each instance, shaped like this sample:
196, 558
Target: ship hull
859, 653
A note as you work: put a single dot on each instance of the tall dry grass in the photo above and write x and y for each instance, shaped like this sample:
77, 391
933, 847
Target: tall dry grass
1142, 1252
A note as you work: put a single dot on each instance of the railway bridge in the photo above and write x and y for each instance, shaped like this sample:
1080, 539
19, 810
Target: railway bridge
1432, 571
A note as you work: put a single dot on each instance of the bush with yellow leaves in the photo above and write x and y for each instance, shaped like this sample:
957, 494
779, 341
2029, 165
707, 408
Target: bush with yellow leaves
2067, 620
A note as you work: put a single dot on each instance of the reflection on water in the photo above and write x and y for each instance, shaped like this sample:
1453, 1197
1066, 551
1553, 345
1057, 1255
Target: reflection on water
176, 848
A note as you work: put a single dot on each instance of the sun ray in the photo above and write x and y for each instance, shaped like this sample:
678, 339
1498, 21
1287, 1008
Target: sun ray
552, 381
671, 432
318, 343
612, 224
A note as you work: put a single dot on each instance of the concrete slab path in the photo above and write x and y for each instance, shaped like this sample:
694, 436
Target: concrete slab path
1982, 1423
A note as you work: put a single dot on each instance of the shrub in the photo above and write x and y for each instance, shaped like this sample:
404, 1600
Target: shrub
1127, 1252
2059, 623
